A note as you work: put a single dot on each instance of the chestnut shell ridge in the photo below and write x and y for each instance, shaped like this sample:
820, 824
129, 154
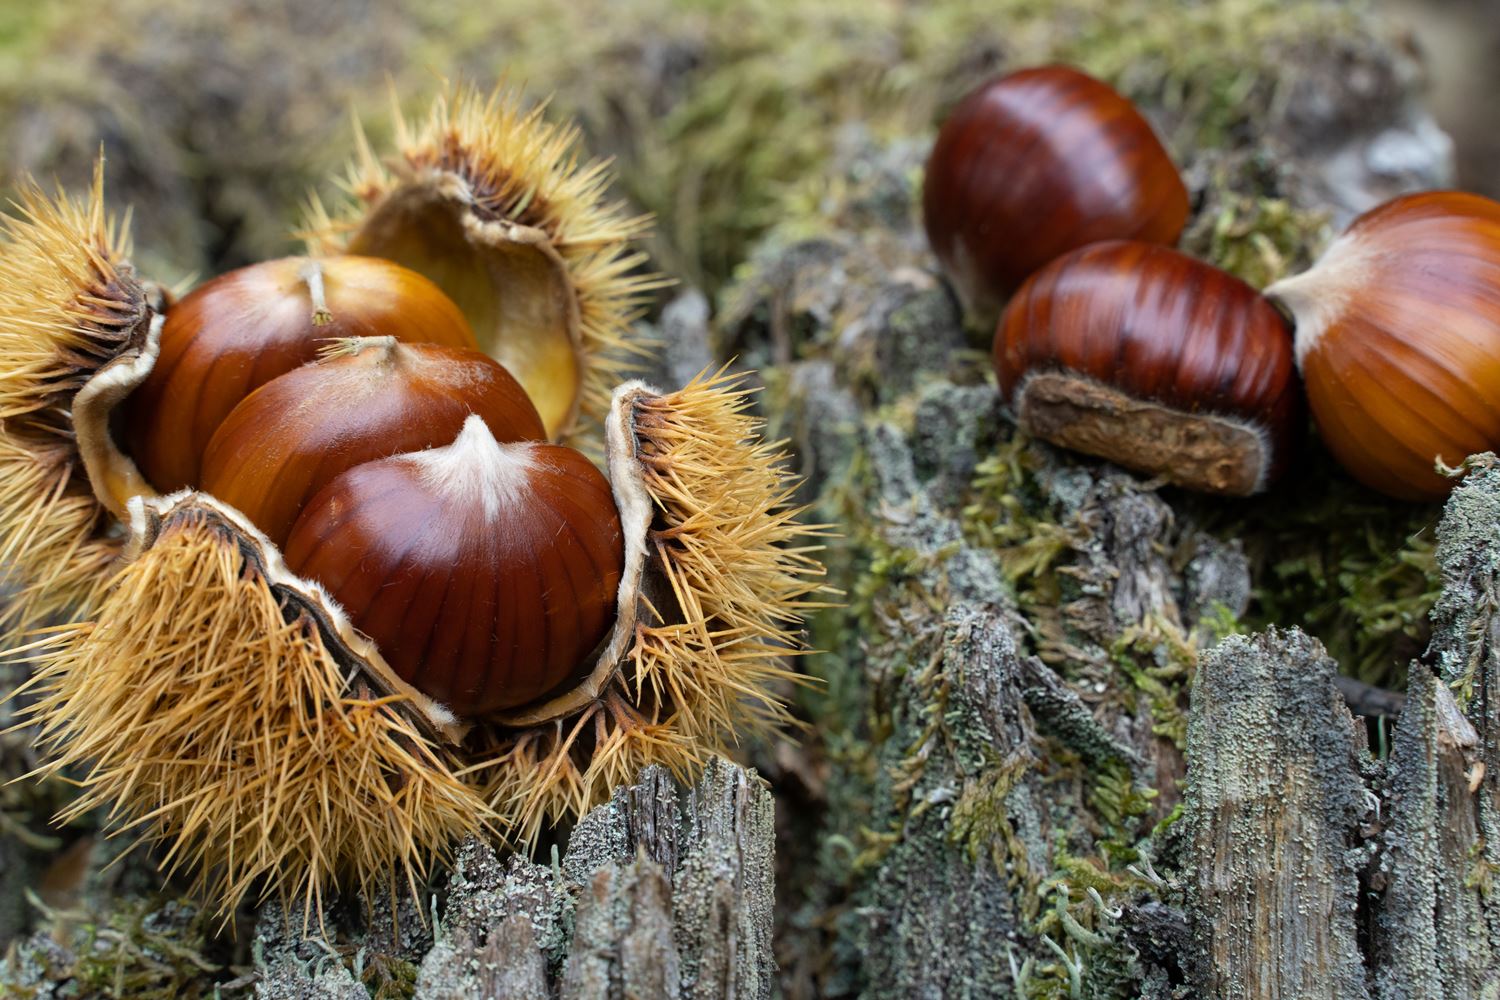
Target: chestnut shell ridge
1156, 361
1038, 163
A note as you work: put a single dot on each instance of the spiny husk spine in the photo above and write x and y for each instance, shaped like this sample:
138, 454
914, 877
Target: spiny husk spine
521, 168
740, 571
203, 710
70, 302
69, 299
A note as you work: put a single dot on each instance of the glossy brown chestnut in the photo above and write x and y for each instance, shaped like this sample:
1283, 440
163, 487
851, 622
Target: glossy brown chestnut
375, 398
235, 333
1156, 361
1398, 339
1032, 165
485, 572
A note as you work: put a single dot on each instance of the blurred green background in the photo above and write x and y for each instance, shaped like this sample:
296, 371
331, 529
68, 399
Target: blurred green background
219, 118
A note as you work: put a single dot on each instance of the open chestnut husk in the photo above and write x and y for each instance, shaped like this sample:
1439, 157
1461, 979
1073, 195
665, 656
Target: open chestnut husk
1397, 331
242, 702
715, 571
1156, 361
495, 204
1037, 163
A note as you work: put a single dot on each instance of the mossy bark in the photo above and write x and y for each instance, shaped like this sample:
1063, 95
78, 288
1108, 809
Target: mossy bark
663, 892
1057, 764
1275, 800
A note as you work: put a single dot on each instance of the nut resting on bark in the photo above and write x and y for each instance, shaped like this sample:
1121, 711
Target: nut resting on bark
335, 593
1398, 339
1156, 361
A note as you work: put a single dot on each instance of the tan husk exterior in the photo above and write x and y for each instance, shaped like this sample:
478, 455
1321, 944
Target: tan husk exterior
203, 708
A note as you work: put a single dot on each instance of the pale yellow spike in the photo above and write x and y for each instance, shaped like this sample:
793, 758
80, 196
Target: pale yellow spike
256, 780
69, 302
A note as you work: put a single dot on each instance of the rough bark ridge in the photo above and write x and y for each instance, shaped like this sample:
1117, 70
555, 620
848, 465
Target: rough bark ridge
661, 893
1275, 799
1438, 932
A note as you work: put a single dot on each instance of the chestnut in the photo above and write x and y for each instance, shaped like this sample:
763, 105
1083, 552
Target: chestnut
367, 398
236, 332
1037, 163
1397, 333
485, 572
1156, 361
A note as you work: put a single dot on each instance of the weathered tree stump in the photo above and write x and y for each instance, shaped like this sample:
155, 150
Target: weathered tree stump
663, 892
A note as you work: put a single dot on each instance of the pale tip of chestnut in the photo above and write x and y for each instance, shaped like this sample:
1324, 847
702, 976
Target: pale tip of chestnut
1315, 299
477, 469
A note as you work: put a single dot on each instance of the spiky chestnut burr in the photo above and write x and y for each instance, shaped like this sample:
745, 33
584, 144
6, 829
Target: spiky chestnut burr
1156, 361
203, 708
1398, 338
74, 314
496, 205
366, 398
1037, 163
350, 772
716, 573
232, 334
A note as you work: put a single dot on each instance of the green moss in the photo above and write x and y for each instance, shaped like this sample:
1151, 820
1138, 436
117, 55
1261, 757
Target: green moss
386, 977
1123, 806
1157, 661
1006, 513
1256, 237
1355, 570
144, 950
980, 822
